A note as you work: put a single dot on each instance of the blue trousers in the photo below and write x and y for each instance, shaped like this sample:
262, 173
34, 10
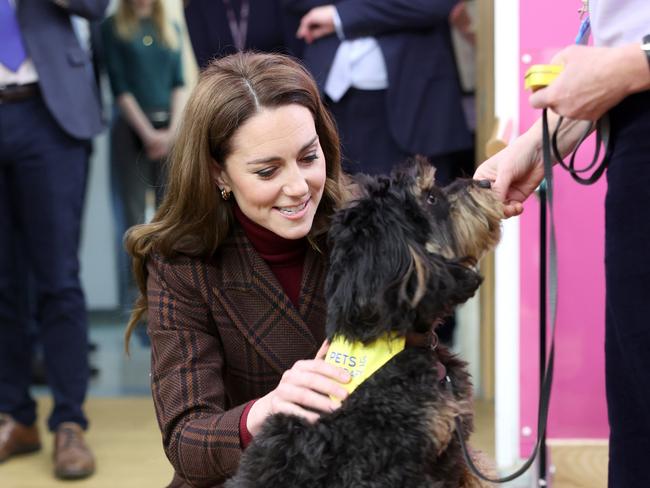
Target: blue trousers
627, 267
42, 182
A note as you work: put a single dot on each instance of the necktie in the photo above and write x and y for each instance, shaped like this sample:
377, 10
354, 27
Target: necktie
12, 50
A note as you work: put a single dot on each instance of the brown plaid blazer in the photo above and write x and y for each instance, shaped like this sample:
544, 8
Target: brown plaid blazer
222, 333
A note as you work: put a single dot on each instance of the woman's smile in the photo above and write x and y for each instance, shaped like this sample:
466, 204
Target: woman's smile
294, 212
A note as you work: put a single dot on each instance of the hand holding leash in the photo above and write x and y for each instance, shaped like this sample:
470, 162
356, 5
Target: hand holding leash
590, 82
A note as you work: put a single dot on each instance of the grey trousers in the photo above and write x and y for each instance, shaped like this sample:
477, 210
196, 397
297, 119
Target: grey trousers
134, 179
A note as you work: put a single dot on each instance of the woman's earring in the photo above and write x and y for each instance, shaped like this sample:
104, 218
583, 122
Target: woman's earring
225, 194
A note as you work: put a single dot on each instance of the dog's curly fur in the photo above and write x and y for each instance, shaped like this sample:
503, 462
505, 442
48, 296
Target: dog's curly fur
402, 256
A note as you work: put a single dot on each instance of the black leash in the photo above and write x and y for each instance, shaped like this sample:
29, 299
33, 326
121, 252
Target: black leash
602, 139
546, 193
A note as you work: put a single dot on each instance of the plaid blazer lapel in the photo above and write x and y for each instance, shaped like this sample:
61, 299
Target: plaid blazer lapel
253, 298
313, 306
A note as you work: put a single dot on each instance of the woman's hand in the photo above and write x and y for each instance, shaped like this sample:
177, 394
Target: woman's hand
304, 390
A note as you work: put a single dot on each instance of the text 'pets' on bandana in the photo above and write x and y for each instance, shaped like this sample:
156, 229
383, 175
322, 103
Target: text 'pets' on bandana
360, 360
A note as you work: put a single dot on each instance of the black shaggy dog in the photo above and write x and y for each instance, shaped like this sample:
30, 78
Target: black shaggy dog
402, 256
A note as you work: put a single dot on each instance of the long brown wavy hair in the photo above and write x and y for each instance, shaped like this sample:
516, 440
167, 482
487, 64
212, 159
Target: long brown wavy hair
193, 219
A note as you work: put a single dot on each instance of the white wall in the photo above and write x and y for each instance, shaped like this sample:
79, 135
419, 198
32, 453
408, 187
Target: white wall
506, 50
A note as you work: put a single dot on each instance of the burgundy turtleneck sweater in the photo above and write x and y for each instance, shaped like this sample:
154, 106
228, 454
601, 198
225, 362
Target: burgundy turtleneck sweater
286, 258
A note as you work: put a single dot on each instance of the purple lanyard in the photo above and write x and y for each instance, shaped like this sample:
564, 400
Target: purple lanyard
238, 30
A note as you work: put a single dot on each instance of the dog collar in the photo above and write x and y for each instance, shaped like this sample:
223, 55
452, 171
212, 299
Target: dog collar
362, 360
428, 340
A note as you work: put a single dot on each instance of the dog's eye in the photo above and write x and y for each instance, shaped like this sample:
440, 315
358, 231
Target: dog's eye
431, 199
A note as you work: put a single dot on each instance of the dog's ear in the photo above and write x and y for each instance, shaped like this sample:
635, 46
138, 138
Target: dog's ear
373, 280
418, 171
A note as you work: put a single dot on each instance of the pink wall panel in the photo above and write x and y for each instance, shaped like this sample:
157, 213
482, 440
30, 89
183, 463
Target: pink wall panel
578, 407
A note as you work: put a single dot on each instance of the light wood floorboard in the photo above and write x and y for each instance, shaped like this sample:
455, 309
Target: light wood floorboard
127, 445
126, 441
125, 438
579, 465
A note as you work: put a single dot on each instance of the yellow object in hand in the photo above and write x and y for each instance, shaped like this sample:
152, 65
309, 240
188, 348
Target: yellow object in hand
541, 75
360, 360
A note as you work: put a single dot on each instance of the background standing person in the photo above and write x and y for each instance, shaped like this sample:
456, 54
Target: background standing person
613, 76
388, 70
221, 27
143, 59
49, 111
231, 269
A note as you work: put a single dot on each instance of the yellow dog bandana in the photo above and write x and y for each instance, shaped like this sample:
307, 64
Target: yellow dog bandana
360, 360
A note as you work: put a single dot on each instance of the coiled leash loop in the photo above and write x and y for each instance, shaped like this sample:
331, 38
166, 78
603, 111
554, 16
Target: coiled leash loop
549, 144
602, 139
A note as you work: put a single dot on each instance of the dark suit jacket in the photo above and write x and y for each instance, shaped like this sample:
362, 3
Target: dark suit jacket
223, 331
424, 96
64, 68
270, 28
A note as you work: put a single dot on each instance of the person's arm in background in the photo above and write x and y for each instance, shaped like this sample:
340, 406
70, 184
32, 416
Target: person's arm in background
88, 9
178, 99
518, 169
361, 18
461, 20
154, 141
593, 80
179, 93
200, 437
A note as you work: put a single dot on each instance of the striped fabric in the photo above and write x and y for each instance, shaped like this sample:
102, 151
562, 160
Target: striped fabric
223, 331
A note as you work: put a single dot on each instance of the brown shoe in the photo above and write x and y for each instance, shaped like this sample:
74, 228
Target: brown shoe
17, 438
72, 457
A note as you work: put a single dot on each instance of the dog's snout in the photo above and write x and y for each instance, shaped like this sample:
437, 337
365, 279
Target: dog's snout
487, 184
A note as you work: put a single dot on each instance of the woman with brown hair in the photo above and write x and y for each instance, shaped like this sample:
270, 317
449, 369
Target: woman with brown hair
231, 269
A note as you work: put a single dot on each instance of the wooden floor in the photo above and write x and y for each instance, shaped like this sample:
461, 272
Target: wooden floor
124, 437
579, 464
126, 441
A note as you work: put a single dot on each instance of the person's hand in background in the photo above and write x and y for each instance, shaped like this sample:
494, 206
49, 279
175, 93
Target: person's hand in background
157, 143
461, 20
317, 23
